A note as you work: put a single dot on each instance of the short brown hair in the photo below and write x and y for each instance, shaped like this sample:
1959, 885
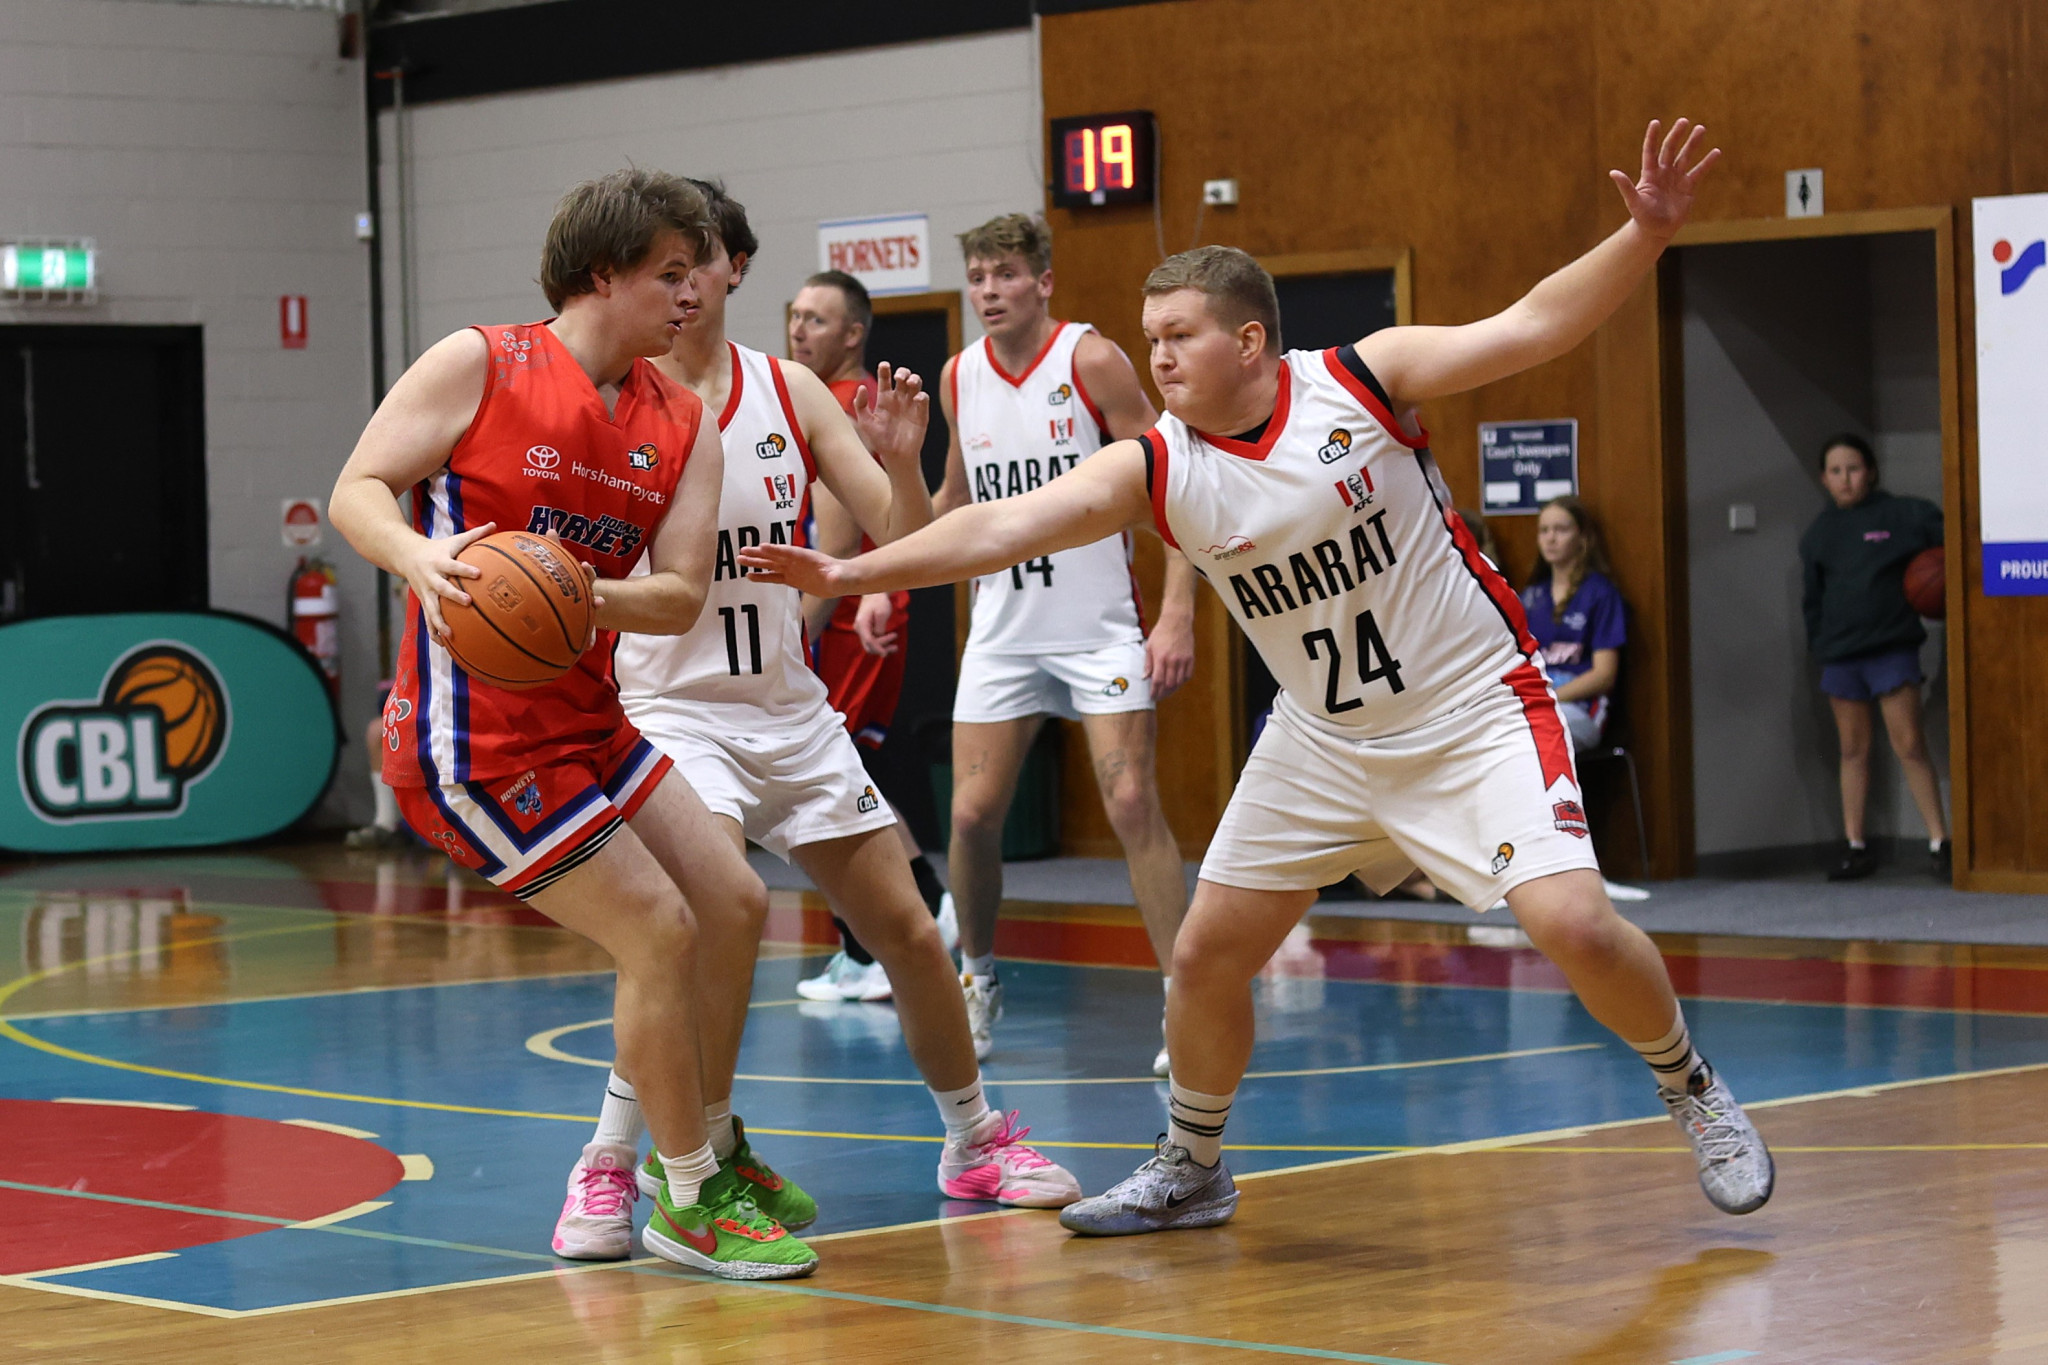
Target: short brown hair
729, 222
1238, 288
612, 223
859, 307
1014, 233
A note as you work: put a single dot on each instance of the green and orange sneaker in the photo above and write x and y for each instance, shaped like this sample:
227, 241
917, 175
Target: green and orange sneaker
778, 1196
726, 1234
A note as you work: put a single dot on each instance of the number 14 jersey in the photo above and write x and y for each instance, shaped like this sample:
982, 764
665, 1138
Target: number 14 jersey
1332, 540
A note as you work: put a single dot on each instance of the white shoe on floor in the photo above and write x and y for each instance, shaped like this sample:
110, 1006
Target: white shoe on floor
845, 979
597, 1218
949, 922
1162, 1065
984, 1007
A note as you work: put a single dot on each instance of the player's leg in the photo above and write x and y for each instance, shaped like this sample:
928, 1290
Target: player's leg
1901, 710
1852, 726
868, 881
1230, 932
987, 758
386, 828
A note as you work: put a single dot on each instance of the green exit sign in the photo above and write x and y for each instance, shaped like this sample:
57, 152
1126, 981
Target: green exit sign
56, 270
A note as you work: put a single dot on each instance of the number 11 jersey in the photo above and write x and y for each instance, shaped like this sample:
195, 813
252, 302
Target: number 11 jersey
1017, 433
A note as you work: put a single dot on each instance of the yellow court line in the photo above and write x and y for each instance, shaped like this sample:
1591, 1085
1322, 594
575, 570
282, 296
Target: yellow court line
1781, 1151
308, 995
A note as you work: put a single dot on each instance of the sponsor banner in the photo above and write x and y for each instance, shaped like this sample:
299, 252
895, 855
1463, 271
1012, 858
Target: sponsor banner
890, 255
1523, 465
158, 730
2011, 239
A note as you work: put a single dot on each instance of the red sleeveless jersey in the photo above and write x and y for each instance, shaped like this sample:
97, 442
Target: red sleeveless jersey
541, 454
845, 391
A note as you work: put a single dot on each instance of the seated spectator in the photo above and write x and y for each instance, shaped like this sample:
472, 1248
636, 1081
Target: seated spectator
1577, 617
1867, 637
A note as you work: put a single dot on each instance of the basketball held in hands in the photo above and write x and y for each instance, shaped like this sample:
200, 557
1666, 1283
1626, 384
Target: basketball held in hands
528, 615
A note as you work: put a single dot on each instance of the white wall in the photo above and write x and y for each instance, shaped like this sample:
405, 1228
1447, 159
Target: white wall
215, 153
949, 128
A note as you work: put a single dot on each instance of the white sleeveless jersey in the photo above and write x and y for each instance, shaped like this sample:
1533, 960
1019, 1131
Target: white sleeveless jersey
746, 652
1018, 433
1333, 542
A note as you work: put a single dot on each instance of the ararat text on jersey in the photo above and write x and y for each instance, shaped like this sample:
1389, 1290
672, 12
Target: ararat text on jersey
606, 535
1023, 473
732, 541
1325, 570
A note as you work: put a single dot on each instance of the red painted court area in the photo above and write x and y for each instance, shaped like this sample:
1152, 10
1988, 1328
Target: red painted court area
166, 1157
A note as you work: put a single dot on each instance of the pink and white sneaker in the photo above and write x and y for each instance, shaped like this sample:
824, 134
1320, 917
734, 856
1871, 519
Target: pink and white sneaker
993, 1163
597, 1217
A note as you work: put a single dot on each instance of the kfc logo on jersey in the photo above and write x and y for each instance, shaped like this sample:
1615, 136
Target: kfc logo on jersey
1231, 548
644, 456
781, 490
541, 462
1060, 394
1570, 817
1338, 446
1062, 430
1355, 490
772, 447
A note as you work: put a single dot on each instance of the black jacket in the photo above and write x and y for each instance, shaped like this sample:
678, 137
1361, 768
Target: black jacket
1855, 560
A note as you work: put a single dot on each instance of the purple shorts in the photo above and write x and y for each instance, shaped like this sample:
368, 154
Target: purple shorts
1872, 676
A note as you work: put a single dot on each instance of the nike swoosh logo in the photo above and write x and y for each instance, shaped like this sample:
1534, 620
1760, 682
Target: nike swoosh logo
1173, 1203
704, 1240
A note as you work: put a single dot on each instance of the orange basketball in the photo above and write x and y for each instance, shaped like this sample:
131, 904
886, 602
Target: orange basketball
178, 686
1927, 583
528, 615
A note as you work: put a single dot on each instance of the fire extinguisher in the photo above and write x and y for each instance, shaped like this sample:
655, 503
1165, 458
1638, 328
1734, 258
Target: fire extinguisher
316, 617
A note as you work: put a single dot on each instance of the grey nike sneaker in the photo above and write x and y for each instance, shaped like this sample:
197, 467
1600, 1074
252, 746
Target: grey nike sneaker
1169, 1191
1736, 1170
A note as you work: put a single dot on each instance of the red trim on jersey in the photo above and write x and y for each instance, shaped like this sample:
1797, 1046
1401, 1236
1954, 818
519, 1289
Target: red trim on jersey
1370, 401
1553, 745
1275, 424
1489, 578
1158, 490
1089, 403
732, 397
1015, 380
796, 428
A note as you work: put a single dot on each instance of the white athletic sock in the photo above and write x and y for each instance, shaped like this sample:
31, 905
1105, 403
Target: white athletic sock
687, 1174
718, 1127
983, 967
1195, 1121
1673, 1059
619, 1122
1934, 845
387, 816
1856, 843
961, 1109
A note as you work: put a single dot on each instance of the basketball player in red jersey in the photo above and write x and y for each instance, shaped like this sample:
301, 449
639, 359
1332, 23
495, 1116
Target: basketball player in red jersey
858, 642
1415, 726
564, 428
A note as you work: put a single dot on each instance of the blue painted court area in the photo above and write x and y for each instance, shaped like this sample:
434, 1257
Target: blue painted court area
448, 1073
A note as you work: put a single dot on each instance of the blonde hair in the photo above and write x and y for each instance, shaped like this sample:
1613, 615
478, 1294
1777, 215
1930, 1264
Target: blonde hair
1019, 234
1237, 287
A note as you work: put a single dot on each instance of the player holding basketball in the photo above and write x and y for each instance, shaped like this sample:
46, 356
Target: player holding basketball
736, 705
565, 427
1053, 634
858, 643
1415, 726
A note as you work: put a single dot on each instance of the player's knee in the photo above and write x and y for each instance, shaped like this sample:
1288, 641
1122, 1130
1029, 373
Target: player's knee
900, 932
976, 821
1132, 805
1910, 749
1205, 961
662, 933
1577, 934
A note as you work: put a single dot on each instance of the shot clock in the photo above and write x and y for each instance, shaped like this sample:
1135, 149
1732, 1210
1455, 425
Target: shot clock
1103, 159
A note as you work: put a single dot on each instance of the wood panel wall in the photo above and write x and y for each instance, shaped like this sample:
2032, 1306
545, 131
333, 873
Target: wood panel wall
1477, 134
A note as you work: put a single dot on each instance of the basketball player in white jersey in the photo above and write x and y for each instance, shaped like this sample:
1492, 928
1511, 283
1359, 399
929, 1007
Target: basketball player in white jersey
734, 702
1415, 726
1056, 634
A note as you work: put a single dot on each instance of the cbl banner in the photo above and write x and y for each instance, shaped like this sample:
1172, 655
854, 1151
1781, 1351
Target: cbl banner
158, 730
2012, 391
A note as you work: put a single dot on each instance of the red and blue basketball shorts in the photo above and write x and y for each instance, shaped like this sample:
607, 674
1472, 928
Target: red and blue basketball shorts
528, 830
860, 686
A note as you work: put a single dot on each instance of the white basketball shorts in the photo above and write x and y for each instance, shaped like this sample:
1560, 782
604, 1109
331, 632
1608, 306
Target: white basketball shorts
1100, 682
1481, 800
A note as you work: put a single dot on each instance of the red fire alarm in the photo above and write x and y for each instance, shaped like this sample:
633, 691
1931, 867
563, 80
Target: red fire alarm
291, 321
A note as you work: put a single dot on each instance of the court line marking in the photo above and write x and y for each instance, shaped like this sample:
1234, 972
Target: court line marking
304, 995
321, 1125
1809, 1151
1718, 1358
126, 1104
418, 1166
81, 1268
328, 1220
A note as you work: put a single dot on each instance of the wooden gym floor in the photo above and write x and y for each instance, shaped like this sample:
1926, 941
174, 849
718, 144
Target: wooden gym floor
317, 1106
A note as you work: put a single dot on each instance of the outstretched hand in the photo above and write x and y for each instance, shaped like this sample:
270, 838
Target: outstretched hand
803, 569
1661, 198
891, 422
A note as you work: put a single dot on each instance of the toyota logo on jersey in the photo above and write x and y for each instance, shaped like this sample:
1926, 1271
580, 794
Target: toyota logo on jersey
543, 457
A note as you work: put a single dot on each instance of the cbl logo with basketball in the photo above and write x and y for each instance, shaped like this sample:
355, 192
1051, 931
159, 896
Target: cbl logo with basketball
159, 725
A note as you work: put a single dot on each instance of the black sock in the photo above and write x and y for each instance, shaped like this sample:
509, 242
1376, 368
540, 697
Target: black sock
928, 884
851, 944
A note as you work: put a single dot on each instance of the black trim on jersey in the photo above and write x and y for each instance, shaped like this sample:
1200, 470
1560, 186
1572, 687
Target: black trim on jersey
1442, 512
1255, 435
1150, 456
1347, 356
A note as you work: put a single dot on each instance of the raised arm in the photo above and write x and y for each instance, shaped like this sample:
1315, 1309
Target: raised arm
1420, 363
668, 597
409, 437
887, 500
952, 492
1102, 496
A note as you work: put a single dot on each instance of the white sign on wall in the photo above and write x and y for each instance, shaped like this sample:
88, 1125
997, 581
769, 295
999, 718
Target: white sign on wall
889, 255
2012, 397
